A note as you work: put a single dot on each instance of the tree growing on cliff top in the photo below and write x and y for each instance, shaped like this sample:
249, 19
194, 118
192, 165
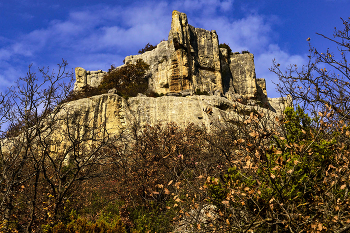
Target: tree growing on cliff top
148, 47
226, 46
128, 80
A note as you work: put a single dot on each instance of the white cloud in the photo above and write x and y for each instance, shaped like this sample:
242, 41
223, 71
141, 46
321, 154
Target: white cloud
5, 54
226, 5
205, 6
264, 61
250, 33
9, 74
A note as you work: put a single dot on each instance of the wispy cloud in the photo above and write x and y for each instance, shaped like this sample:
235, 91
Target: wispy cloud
206, 7
250, 33
264, 61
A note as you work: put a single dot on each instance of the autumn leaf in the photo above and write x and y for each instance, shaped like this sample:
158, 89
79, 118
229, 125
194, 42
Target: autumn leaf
166, 191
320, 227
241, 140
225, 202
208, 215
257, 154
278, 152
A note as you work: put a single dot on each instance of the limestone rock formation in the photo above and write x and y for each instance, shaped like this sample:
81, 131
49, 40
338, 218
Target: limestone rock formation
84, 78
118, 114
104, 116
189, 61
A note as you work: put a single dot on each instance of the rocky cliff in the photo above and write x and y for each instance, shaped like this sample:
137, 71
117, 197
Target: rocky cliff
117, 114
189, 61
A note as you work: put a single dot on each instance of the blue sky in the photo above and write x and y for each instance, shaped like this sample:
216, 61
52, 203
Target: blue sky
96, 34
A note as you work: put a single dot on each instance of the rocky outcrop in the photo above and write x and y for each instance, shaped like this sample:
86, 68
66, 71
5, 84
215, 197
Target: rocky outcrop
243, 75
117, 114
84, 78
189, 61
160, 67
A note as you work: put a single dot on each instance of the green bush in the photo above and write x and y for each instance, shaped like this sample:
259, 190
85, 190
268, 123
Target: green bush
199, 92
152, 218
292, 181
107, 222
226, 46
128, 80
148, 47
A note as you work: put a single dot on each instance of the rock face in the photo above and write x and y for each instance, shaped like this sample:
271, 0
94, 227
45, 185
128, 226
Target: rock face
189, 61
104, 116
118, 114
84, 78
